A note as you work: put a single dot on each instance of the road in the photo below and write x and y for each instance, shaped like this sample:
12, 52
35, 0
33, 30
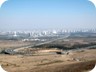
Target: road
16, 49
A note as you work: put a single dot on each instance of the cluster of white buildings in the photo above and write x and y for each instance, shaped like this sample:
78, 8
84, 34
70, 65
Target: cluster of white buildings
37, 33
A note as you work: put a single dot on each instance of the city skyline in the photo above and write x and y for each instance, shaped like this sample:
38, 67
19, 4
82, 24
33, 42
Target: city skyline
47, 14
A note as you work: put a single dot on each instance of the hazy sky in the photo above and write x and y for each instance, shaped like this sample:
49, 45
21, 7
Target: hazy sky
47, 14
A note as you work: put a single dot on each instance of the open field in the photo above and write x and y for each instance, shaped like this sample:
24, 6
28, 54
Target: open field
73, 62
12, 43
47, 57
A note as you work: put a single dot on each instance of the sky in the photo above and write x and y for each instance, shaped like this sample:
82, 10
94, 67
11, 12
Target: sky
47, 14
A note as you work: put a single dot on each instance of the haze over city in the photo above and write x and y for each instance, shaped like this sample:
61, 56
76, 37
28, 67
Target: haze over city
47, 35
47, 14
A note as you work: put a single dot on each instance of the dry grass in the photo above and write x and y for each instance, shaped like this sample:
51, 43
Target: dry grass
11, 44
74, 67
47, 63
50, 63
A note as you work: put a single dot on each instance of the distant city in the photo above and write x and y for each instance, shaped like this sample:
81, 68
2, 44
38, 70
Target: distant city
40, 35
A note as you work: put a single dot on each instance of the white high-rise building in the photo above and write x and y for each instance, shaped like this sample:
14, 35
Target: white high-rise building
15, 34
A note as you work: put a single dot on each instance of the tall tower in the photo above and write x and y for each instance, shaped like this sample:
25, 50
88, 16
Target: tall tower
15, 34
